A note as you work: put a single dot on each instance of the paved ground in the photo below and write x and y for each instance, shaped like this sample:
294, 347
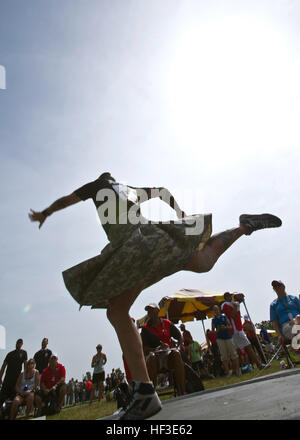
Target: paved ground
273, 397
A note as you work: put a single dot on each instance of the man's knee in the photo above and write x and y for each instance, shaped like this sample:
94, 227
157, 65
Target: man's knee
175, 360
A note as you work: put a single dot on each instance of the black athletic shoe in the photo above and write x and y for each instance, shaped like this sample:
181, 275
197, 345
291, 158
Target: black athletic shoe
261, 221
145, 403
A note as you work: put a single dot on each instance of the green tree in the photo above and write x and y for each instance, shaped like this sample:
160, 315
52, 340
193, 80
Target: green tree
267, 324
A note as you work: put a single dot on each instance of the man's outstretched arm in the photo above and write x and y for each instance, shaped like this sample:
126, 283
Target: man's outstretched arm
63, 202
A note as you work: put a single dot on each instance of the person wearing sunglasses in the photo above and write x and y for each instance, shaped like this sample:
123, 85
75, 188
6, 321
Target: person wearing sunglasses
284, 312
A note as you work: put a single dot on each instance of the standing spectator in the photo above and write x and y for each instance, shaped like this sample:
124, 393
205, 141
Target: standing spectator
195, 358
186, 337
88, 386
26, 387
13, 364
70, 391
221, 325
53, 386
83, 391
250, 332
76, 391
42, 356
113, 379
211, 339
284, 312
232, 311
98, 362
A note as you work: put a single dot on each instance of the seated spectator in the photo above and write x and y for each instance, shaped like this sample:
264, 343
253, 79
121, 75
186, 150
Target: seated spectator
222, 326
53, 386
12, 363
269, 347
284, 313
250, 332
156, 337
195, 358
232, 311
42, 356
26, 388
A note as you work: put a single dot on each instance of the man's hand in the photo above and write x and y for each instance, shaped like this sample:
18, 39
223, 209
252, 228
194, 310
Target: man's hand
37, 217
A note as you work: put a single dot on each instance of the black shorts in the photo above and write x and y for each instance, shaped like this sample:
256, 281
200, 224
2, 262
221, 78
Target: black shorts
45, 397
98, 377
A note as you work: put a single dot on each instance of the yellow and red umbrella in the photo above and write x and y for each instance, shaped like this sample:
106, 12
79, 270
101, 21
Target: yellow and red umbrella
190, 304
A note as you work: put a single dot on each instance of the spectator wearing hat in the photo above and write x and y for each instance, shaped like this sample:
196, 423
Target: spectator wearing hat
98, 362
13, 364
250, 332
53, 382
157, 333
284, 312
42, 356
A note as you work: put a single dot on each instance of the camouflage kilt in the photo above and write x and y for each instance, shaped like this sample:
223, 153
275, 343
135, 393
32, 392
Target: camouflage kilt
143, 254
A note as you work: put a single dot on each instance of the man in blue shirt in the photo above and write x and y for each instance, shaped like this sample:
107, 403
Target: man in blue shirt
284, 312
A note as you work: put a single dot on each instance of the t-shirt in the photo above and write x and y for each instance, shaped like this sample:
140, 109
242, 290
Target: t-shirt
51, 377
88, 385
284, 309
41, 358
222, 320
236, 322
153, 336
14, 360
212, 336
113, 202
195, 348
249, 333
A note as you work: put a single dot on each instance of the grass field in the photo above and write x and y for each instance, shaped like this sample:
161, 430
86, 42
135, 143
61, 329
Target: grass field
96, 410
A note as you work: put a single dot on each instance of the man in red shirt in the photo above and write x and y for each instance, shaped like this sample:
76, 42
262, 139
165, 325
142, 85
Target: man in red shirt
232, 311
53, 382
157, 334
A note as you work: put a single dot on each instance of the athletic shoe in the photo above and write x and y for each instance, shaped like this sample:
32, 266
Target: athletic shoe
261, 221
145, 403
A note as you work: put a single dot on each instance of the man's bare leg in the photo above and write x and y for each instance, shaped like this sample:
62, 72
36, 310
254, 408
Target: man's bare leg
128, 335
204, 260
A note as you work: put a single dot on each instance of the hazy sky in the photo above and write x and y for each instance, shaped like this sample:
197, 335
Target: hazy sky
200, 97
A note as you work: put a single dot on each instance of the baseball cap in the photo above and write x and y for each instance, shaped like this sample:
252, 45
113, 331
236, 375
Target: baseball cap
19, 341
152, 306
54, 355
276, 283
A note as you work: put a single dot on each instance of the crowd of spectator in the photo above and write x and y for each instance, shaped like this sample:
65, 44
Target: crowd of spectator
172, 357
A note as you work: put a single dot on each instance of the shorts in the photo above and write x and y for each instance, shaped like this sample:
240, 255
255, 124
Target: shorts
240, 339
46, 397
98, 377
227, 349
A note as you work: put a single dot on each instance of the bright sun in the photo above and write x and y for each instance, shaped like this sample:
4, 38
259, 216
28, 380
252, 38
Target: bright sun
233, 84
